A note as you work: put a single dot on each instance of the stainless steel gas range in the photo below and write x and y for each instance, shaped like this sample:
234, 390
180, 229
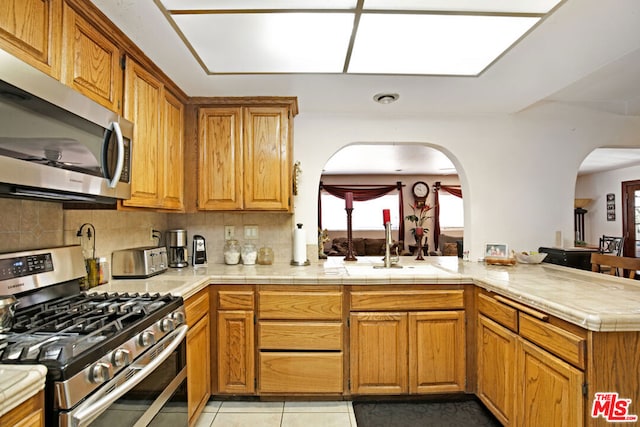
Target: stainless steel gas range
112, 358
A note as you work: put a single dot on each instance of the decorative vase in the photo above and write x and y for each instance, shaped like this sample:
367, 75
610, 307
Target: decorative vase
419, 233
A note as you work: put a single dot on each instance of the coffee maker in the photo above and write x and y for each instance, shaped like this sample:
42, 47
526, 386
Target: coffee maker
177, 248
199, 251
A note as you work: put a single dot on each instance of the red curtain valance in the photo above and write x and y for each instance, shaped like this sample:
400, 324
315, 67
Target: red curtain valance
362, 193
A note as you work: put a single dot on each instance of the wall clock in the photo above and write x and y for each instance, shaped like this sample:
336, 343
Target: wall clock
420, 192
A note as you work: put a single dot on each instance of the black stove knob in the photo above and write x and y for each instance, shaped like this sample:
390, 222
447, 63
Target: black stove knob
100, 372
121, 357
147, 338
167, 325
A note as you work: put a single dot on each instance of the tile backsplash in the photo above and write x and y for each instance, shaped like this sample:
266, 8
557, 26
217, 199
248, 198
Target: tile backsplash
33, 224
27, 225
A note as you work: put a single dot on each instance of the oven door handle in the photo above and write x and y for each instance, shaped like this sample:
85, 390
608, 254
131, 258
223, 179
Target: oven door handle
85, 415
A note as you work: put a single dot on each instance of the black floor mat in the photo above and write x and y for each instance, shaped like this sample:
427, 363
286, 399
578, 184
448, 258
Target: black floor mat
466, 413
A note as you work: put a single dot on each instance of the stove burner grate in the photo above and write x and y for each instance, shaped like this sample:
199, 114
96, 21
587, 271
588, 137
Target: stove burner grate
67, 328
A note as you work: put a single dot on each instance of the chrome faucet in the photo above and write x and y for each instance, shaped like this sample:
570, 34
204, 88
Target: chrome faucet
389, 261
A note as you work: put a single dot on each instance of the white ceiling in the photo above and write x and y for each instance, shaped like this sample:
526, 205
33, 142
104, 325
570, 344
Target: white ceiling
453, 37
587, 52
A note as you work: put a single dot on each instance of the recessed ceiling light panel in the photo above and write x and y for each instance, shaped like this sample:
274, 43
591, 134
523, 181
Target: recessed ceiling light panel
433, 44
508, 6
269, 42
257, 4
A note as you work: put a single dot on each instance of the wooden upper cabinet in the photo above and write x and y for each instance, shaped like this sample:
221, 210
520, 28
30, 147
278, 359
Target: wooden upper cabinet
157, 161
267, 159
91, 61
143, 95
244, 158
31, 31
220, 158
173, 150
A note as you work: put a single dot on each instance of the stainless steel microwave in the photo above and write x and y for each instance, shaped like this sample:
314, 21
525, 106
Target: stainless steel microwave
56, 143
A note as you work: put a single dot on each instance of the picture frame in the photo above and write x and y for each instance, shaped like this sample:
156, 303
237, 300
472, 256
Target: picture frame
611, 207
496, 250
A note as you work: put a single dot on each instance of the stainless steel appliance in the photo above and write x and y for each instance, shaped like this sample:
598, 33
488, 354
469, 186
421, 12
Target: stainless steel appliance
177, 248
136, 263
112, 358
56, 143
199, 251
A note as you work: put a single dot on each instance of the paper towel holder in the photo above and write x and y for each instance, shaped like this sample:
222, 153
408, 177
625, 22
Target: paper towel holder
293, 261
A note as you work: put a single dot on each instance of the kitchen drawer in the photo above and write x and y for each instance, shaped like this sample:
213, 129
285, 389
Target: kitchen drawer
562, 343
301, 372
305, 305
235, 300
407, 300
300, 335
197, 306
498, 312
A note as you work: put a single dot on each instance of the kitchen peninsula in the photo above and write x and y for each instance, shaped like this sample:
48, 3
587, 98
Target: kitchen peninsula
534, 342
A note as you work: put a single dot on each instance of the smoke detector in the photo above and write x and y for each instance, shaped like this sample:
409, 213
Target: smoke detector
386, 98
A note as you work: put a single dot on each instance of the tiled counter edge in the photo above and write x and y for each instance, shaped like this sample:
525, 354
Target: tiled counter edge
18, 383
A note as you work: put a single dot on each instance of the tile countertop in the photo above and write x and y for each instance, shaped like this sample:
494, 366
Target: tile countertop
596, 302
18, 383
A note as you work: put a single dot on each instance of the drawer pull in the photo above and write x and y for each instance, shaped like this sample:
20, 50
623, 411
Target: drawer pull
523, 308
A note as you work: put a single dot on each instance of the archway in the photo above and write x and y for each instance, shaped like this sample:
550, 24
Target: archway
365, 165
600, 195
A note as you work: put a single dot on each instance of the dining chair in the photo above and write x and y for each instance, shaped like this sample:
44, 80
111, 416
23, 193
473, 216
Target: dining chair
626, 264
611, 245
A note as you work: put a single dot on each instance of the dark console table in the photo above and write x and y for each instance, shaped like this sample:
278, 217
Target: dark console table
569, 257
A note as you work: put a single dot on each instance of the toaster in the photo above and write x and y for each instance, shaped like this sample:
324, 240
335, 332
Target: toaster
138, 263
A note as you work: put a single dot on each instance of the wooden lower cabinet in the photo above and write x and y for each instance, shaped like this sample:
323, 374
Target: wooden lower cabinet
496, 359
198, 368
437, 352
236, 366
301, 372
29, 413
549, 390
524, 374
198, 353
414, 352
301, 340
379, 353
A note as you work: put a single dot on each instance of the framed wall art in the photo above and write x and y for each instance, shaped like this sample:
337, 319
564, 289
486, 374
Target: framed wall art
611, 207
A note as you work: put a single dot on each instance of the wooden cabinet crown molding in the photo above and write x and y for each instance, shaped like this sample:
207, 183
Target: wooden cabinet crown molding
290, 102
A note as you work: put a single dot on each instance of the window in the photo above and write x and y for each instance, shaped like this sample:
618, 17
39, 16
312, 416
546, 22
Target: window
451, 211
366, 215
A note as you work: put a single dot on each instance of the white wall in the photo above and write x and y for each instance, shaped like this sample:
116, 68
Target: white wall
518, 172
596, 187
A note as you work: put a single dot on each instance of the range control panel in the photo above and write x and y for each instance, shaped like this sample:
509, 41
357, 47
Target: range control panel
21, 266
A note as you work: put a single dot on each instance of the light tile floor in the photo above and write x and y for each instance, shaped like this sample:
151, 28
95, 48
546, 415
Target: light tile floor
277, 414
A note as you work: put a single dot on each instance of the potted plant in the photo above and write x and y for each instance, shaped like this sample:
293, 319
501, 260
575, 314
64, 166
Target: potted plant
419, 216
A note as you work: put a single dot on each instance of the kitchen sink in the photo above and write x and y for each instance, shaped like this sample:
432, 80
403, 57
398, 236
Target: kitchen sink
397, 270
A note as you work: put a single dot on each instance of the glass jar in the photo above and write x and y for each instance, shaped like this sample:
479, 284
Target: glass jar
231, 252
265, 256
249, 254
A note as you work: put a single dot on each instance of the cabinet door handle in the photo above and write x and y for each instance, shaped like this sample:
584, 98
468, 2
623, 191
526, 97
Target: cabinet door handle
523, 308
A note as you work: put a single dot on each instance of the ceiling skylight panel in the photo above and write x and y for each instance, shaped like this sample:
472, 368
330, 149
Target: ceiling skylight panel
501, 6
270, 42
256, 4
433, 44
